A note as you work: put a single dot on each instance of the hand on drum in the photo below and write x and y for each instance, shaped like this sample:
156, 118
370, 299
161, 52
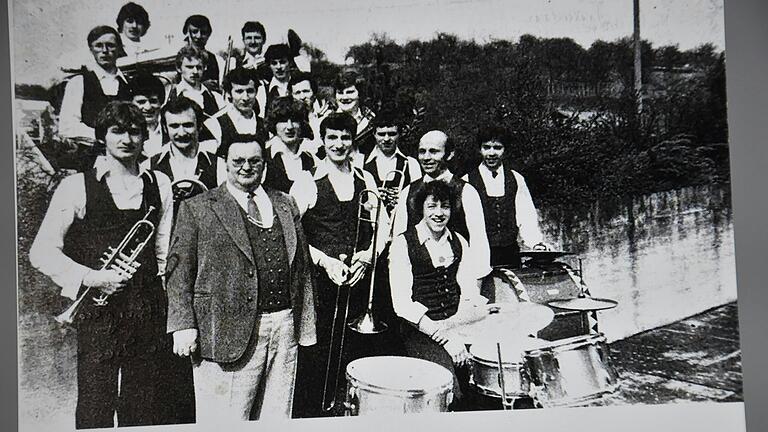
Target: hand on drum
458, 352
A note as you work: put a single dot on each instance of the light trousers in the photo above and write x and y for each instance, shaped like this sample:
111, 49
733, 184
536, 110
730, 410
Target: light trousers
260, 384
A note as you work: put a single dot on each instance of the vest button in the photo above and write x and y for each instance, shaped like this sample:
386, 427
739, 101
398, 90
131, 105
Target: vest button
250, 273
249, 298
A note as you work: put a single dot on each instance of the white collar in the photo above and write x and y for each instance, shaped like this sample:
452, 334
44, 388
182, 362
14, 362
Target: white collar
424, 234
376, 152
445, 176
486, 170
277, 146
105, 165
184, 86
101, 73
275, 83
327, 168
166, 151
236, 115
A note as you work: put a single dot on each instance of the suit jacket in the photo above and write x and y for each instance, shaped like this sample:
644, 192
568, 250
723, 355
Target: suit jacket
211, 264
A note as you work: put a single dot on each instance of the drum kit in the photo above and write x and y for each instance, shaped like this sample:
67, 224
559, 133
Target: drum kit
508, 363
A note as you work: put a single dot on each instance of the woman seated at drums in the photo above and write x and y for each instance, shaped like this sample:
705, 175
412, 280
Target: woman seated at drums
434, 288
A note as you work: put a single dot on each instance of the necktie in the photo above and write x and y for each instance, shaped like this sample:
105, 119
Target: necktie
253, 210
494, 173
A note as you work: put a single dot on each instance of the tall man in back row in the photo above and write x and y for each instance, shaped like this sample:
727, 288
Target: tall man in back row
507, 205
240, 292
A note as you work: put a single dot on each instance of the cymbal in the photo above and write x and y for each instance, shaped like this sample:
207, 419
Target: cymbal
584, 304
507, 321
544, 255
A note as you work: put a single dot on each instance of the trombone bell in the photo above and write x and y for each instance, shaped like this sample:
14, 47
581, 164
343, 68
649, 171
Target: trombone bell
367, 324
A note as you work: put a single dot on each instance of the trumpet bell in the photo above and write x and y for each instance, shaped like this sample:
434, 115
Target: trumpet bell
368, 324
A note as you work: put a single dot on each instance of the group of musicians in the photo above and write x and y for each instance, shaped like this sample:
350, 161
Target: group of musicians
229, 313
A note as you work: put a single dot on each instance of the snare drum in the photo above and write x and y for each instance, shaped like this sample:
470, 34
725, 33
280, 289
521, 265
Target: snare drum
397, 385
484, 368
571, 371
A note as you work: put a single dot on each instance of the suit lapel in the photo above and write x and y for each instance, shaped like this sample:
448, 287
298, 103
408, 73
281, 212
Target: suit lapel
283, 212
228, 211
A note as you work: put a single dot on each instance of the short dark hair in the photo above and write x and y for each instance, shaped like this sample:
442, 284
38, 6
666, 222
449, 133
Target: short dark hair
200, 21
223, 150
439, 190
119, 113
339, 121
493, 133
346, 79
285, 108
100, 31
298, 77
277, 51
144, 83
253, 26
190, 52
132, 10
241, 76
387, 118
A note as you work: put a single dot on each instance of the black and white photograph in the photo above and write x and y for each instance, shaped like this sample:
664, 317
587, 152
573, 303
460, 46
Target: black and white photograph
244, 211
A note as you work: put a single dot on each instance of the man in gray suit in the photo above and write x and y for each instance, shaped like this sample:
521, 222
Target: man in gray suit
240, 294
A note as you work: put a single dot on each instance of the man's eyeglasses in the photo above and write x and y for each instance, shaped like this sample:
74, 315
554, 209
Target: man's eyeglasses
239, 162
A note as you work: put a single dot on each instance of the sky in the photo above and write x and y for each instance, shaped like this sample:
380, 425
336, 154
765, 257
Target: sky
47, 34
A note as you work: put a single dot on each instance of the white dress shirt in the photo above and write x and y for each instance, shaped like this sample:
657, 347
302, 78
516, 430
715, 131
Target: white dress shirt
261, 199
243, 125
303, 181
70, 117
473, 210
441, 254
251, 61
526, 214
154, 143
343, 184
69, 202
196, 96
386, 164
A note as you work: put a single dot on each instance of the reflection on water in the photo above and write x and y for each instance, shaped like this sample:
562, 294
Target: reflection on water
663, 257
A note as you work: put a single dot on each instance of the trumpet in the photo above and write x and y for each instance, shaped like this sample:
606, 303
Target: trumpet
391, 187
121, 258
367, 322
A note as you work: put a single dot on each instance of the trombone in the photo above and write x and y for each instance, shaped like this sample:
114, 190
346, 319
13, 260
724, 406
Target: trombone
367, 322
122, 258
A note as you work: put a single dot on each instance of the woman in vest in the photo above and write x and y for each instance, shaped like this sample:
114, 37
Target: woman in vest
97, 84
433, 287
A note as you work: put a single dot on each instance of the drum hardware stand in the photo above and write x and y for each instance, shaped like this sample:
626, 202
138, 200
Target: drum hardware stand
506, 404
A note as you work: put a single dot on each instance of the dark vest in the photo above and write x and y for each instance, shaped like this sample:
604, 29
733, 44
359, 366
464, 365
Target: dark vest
458, 222
500, 213
210, 107
277, 177
94, 99
330, 224
401, 164
136, 314
273, 283
205, 171
434, 287
211, 67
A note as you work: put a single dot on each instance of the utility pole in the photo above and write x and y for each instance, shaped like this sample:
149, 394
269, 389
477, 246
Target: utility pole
638, 56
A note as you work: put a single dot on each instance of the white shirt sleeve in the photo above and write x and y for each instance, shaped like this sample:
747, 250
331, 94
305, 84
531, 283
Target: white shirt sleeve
400, 221
466, 275
478, 246
401, 282
527, 216
414, 169
70, 117
221, 171
163, 229
47, 251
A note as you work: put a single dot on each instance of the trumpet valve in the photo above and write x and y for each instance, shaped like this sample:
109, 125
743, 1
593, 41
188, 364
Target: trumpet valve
100, 300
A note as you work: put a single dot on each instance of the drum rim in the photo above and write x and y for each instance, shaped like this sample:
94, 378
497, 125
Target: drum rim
432, 390
569, 344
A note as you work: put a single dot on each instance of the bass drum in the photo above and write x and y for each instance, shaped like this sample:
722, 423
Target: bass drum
389, 385
571, 371
484, 368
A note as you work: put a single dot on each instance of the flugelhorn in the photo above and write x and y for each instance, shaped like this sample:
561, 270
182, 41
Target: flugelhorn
187, 188
121, 258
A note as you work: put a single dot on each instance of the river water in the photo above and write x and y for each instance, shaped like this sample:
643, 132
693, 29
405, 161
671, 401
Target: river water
663, 257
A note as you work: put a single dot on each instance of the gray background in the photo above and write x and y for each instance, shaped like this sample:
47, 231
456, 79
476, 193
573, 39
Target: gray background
747, 63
